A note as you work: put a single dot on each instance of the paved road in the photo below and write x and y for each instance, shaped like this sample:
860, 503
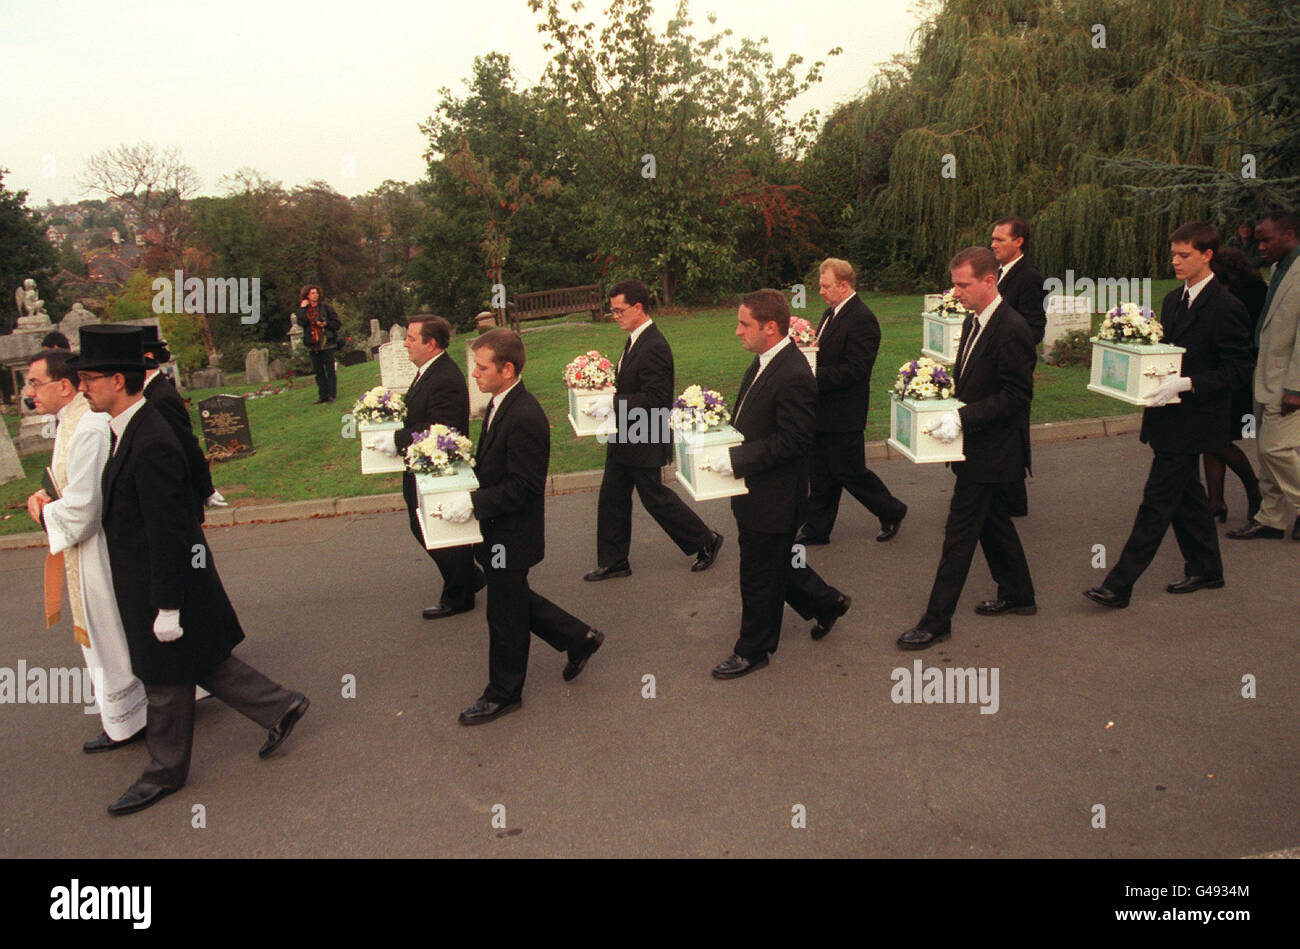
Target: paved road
1138, 710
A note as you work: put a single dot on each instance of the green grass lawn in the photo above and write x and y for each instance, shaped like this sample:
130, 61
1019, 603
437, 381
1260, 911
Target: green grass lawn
302, 454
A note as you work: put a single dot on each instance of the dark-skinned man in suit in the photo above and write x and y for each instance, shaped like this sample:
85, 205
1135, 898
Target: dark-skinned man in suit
994, 377
776, 411
1203, 317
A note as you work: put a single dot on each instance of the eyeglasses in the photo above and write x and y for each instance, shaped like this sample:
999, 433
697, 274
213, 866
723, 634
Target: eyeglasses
620, 310
91, 376
35, 384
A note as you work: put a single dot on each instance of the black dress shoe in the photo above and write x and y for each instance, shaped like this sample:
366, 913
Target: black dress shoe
1192, 584
483, 711
734, 666
102, 742
578, 657
998, 607
889, 528
276, 736
1254, 530
708, 553
138, 796
443, 609
1106, 597
824, 626
320, 401
802, 536
917, 638
620, 569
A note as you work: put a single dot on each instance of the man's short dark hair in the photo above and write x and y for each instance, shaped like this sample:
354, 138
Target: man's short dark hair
633, 292
768, 306
1018, 228
1233, 268
1200, 234
433, 328
56, 365
55, 340
133, 380
981, 260
506, 347
1284, 221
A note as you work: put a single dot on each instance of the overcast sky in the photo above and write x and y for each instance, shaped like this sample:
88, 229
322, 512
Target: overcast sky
322, 89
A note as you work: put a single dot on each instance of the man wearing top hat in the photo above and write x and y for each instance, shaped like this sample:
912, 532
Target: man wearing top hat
180, 626
162, 395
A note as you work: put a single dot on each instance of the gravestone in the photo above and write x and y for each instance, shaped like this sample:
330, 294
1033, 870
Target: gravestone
11, 469
71, 324
207, 379
352, 357
255, 368
1065, 314
295, 335
396, 333
374, 340
396, 371
224, 419
277, 369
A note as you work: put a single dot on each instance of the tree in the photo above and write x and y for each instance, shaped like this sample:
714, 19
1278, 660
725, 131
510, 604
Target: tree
386, 301
154, 184
24, 253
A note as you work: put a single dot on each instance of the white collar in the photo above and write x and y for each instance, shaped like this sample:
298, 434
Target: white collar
119, 422
1006, 268
151, 377
987, 313
636, 333
765, 358
501, 396
420, 371
839, 306
1193, 292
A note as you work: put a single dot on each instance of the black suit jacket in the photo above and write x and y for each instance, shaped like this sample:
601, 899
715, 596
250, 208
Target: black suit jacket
644, 382
162, 395
512, 458
846, 353
1022, 290
439, 397
160, 558
997, 387
1218, 360
777, 414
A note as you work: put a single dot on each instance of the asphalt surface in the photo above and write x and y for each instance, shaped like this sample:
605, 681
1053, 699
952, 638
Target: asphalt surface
1139, 710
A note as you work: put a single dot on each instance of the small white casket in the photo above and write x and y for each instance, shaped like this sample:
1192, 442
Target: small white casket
376, 462
940, 336
691, 449
908, 421
932, 301
810, 354
584, 424
432, 490
1131, 373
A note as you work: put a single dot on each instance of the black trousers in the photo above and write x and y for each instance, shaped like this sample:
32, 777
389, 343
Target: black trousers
1172, 495
614, 512
769, 579
169, 722
513, 610
327, 382
1017, 498
461, 577
978, 514
838, 463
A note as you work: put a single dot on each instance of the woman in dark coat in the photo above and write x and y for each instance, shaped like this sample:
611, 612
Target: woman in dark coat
320, 333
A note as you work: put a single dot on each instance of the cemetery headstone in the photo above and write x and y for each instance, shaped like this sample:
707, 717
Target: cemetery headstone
226, 434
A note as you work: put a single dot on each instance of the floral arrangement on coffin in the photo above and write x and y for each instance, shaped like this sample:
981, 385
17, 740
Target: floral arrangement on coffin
438, 450
591, 370
699, 409
380, 405
923, 378
949, 305
801, 332
1133, 324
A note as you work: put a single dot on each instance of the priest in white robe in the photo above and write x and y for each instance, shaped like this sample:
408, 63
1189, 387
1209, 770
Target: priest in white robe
72, 526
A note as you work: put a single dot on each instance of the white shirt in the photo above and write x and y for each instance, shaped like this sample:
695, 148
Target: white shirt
496, 405
151, 377
1006, 268
1194, 291
632, 338
765, 358
981, 321
119, 423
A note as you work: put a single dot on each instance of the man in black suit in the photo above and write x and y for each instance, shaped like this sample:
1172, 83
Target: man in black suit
437, 396
512, 457
994, 377
179, 624
320, 334
637, 451
1021, 287
776, 411
848, 339
162, 395
1209, 322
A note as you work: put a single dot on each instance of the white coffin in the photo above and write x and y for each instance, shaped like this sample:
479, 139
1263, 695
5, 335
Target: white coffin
940, 336
691, 449
1131, 373
376, 462
908, 420
584, 424
432, 490
810, 354
932, 301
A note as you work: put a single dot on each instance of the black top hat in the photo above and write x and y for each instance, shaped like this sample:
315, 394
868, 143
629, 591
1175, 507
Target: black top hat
152, 342
106, 347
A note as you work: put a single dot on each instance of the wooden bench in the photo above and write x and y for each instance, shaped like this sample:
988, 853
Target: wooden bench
540, 304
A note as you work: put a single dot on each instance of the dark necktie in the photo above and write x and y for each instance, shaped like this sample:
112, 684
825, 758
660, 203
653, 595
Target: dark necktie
627, 347
487, 418
826, 321
112, 442
1180, 312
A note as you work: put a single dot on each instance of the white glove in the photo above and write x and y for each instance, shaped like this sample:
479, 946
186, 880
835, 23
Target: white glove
216, 500
720, 462
1171, 387
947, 428
167, 626
596, 410
457, 509
383, 442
